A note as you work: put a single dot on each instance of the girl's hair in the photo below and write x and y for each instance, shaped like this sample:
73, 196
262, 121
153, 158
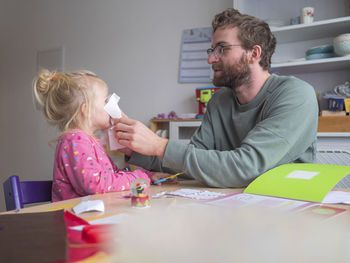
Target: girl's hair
61, 96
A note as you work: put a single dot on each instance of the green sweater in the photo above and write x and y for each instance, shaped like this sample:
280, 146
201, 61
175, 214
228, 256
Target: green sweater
236, 143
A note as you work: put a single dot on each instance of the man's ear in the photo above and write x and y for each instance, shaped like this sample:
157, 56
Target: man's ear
255, 53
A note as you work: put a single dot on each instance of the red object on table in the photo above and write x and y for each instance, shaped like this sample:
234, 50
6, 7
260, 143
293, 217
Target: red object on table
90, 240
98, 233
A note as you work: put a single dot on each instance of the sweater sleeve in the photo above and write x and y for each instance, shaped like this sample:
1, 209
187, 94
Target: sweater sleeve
284, 134
90, 170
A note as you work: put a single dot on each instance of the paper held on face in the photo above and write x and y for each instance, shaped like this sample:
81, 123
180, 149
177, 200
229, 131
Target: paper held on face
112, 108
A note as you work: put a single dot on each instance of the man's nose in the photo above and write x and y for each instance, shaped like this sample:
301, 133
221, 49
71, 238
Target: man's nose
212, 59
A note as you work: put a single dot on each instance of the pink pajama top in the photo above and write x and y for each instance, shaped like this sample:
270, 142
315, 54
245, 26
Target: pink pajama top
82, 167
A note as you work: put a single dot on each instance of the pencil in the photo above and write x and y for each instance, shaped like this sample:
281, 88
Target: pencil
167, 178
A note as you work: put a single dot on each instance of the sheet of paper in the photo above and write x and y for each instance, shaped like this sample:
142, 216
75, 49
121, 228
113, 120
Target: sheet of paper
89, 205
196, 194
107, 138
335, 197
113, 143
159, 195
242, 200
300, 181
112, 107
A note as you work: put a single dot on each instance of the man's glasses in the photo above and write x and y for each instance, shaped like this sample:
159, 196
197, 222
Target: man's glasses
219, 50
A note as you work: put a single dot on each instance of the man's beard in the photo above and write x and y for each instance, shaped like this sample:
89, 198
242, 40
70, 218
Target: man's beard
233, 76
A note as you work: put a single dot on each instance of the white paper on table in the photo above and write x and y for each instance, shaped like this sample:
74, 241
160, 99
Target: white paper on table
159, 195
196, 194
335, 197
238, 200
89, 205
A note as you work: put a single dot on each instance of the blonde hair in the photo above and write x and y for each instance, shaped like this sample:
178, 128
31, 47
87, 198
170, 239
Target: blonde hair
61, 96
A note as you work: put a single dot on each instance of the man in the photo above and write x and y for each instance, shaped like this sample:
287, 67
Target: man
256, 122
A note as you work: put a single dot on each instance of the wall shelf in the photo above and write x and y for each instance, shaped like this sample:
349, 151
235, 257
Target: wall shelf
311, 66
319, 29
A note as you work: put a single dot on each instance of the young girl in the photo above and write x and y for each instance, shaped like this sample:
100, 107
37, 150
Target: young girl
75, 103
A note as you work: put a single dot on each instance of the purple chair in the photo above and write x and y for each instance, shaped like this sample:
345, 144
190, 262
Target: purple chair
19, 193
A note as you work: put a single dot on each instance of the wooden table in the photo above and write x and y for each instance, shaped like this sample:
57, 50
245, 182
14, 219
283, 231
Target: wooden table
115, 203
213, 227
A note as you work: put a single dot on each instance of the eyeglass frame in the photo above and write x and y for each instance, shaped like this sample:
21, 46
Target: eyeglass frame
222, 46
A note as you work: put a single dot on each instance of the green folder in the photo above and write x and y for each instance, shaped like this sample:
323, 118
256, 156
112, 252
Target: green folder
300, 181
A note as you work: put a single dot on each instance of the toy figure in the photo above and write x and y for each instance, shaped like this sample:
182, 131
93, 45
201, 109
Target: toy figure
140, 193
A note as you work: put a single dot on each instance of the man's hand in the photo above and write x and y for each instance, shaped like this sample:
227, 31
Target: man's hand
137, 137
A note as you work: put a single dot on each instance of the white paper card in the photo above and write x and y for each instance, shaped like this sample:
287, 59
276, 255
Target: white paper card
89, 205
113, 143
335, 197
108, 138
298, 174
196, 194
112, 107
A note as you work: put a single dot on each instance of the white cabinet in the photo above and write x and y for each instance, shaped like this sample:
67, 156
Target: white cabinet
183, 130
331, 19
177, 129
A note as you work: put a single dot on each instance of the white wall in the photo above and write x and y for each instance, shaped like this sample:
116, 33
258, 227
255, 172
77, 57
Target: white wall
133, 45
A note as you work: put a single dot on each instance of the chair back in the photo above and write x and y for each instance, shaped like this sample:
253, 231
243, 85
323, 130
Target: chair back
18, 193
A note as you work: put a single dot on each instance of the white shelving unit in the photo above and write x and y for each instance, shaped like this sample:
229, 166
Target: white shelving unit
324, 29
315, 30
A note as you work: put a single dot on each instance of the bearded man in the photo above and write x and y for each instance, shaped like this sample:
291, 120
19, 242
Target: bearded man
255, 122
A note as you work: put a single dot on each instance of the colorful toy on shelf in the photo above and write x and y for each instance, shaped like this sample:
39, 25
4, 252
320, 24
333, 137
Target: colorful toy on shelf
203, 95
140, 193
171, 115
